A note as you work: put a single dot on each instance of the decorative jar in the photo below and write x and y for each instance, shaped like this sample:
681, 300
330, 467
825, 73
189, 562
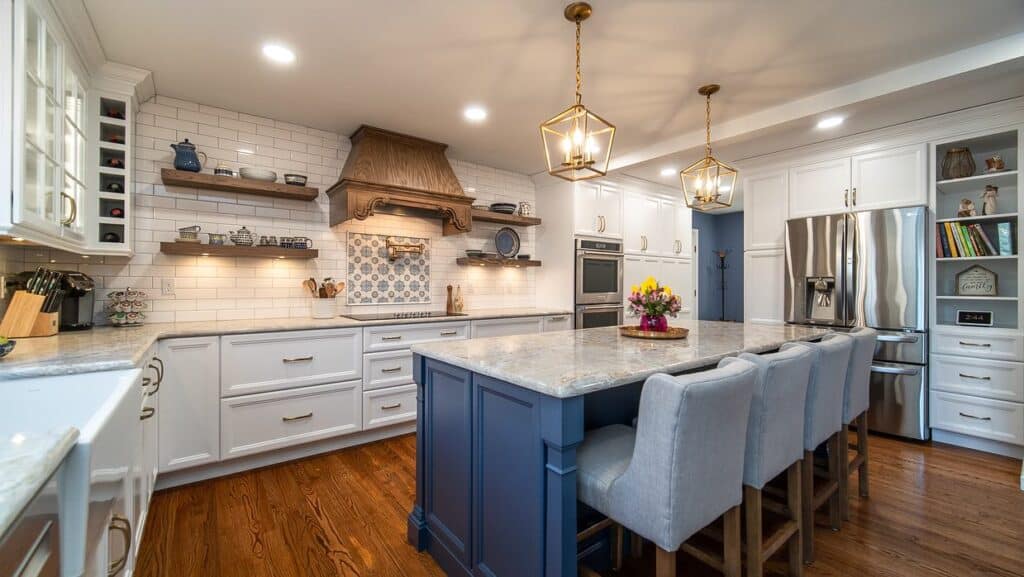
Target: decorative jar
655, 323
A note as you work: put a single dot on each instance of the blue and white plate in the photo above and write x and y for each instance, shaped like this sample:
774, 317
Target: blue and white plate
506, 242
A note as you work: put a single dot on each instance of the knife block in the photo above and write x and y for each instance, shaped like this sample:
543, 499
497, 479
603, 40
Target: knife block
24, 317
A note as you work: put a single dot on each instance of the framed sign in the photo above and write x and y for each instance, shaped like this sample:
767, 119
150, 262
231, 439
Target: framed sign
976, 281
974, 318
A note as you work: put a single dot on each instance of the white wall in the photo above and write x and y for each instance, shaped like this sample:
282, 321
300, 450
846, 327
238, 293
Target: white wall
209, 288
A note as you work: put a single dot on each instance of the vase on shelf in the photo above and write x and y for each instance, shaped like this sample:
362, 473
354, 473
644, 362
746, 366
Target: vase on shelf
655, 323
958, 163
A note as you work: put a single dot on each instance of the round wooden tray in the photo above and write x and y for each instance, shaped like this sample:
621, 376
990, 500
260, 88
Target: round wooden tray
671, 333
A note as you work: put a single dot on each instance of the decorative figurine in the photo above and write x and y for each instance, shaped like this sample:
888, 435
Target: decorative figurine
988, 205
966, 208
994, 163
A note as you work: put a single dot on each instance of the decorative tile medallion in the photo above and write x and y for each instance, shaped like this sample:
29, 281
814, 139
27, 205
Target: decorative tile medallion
373, 279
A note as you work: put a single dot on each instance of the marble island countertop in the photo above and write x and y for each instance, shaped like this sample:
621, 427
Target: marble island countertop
112, 348
26, 462
572, 363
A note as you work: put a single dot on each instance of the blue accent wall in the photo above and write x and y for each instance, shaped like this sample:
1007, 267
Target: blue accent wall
720, 231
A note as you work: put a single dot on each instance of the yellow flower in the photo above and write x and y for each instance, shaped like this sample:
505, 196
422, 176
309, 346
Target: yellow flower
634, 288
668, 290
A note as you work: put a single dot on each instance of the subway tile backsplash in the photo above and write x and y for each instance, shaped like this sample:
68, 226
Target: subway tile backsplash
209, 288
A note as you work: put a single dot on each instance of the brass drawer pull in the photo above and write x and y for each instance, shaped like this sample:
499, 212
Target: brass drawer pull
297, 418
298, 359
449, 333
391, 370
975, 418
393, 338
963, 376
147, 412
967, 344
556, 319
124, 527
389, 407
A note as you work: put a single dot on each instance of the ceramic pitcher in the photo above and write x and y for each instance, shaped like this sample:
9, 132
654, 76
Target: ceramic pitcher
186, 157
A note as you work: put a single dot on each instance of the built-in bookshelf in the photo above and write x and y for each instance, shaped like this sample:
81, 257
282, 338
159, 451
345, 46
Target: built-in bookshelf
990, 241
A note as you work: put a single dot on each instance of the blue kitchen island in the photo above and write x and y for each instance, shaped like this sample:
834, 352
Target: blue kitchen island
499, 421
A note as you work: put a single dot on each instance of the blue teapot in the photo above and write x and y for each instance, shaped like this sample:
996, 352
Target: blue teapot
186, 157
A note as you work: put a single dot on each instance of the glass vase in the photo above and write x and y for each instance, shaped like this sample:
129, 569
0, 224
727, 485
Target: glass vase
655, 323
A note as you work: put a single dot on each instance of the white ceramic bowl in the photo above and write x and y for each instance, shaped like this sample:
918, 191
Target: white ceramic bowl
258, 174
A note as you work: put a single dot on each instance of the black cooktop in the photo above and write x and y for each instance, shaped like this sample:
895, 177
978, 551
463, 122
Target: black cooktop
408, 315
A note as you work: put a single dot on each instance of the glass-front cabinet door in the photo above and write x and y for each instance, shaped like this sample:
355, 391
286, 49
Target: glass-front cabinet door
50, 119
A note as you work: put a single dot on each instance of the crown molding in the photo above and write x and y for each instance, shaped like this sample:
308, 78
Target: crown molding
125, 79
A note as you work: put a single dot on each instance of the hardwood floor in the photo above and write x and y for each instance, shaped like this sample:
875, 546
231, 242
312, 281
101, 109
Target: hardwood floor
934, 510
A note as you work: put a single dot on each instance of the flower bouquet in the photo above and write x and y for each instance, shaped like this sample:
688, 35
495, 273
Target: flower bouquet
651, 302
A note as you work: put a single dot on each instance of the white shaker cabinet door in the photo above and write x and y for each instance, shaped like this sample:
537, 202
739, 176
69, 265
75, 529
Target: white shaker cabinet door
189, 416
890, 178
640, 223
766, 208
682, 225
585, 208
677, 274
609, 209
763, 286
819, 188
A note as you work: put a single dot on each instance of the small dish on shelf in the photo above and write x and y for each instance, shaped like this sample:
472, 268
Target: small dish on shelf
472, 253
257, 174
523, 256
295, 179
503, 207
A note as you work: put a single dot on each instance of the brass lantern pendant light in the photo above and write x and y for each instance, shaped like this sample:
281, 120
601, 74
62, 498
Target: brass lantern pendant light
708, 183
577, 142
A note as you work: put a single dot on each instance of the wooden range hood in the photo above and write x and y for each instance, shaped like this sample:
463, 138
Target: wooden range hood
386, 169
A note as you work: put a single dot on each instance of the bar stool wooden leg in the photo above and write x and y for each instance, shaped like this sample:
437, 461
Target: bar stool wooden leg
844, 472
665, 563
807, 505
834, 505
752, 506
617, 536
862, 450
733, 544
636, 545
794, 504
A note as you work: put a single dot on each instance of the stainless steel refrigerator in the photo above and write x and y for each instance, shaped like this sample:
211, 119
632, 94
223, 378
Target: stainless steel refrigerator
868, 269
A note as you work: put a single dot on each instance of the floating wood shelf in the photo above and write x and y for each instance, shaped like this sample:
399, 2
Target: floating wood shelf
501, 218
197, 249
481, 261
233, 184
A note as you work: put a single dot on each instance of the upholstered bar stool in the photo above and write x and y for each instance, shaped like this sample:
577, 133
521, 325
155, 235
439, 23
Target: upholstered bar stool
775, 444
823, 419
856, 399
681, 468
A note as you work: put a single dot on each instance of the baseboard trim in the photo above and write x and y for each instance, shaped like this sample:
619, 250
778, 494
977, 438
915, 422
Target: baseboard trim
978, 444
249, 462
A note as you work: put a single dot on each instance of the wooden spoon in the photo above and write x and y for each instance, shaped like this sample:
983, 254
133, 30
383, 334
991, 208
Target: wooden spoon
310, 285
339, 287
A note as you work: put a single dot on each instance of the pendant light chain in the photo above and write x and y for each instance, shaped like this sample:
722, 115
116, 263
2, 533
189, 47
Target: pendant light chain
579, 73
707, 127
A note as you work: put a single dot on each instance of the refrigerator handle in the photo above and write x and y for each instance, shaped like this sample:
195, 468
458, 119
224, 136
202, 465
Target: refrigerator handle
849, 269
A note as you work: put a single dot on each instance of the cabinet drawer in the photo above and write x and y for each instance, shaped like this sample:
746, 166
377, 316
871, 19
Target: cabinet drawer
558, 322
506, 327
386, 369
389, 406
272, 361
257, 423
1006, 347
999, 380
393, 337
996, 420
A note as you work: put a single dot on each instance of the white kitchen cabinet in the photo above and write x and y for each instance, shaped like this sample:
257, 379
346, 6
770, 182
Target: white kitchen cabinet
597, 210
890, 178
657, 226
394, 337
386, 369
682, 226
819, 188
189, 416
506, 327
678, 275
986, 418
389, 406
764, 286
765, 209
557, 323
265, 421
260, 362
49, 166
639, 226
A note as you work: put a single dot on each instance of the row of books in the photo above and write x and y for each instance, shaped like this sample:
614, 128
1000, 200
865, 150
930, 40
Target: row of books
955, 239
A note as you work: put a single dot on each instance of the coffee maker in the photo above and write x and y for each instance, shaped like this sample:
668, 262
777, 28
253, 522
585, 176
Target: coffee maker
79, 298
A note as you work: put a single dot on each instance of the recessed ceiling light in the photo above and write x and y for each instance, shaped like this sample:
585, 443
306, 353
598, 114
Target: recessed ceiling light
830, 122
278, 53
668, 171
475, 113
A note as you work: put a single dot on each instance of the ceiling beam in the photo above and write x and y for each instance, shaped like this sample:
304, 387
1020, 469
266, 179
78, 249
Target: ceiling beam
980, 56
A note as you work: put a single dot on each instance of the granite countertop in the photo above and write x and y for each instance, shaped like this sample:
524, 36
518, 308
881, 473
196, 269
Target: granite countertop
112, 348
572, 363
27, 460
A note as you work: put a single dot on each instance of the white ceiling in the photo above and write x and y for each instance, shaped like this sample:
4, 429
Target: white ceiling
412, 65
